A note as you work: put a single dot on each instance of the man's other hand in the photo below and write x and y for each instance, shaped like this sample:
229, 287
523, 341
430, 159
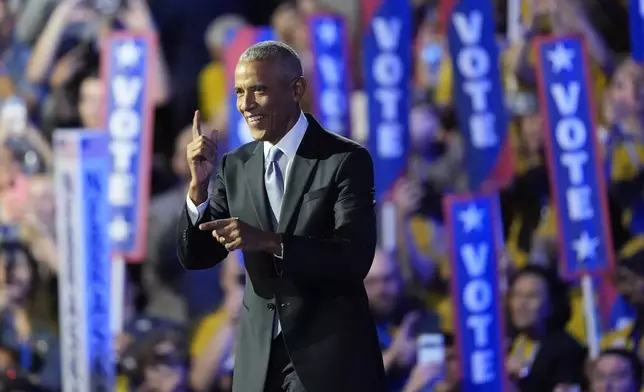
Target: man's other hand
235, 234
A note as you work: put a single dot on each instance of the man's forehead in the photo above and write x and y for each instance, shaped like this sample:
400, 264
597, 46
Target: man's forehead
257, 68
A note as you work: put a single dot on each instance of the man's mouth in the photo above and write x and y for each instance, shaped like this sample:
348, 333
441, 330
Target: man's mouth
254, 119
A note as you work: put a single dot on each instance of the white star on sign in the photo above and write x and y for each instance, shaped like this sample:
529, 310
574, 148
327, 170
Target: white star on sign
585, 246
128, 54
119, 229
560, 58
472, 218
328, 33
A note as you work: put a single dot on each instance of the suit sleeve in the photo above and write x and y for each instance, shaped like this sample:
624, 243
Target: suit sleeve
346, 258
198, 249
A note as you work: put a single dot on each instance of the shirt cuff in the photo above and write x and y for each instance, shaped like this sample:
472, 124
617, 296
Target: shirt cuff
281, 254
195, 213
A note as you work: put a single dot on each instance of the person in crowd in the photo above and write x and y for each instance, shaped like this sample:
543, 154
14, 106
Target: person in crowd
15, 56
289, 22
630, 284
398, 320
14, 187
67, 53
560, 17
24, 329
27, 142
212, 348
616, 370
213, 91
526, 198
542, 354
624, 141
137, 327
435, 169
163, 363
437, 378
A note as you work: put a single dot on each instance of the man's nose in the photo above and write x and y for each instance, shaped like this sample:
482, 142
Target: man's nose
246, 102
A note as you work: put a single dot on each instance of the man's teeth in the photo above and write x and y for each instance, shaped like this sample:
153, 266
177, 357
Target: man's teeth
255, 118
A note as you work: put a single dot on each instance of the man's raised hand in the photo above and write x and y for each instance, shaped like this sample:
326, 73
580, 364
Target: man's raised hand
201, 152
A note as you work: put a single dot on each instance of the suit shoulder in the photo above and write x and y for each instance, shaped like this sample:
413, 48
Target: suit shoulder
342, 144
240, 154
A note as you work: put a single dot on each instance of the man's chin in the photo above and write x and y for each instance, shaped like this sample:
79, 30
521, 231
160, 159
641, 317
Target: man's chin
258, 134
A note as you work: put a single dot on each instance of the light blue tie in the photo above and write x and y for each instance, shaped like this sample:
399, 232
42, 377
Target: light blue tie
274, 181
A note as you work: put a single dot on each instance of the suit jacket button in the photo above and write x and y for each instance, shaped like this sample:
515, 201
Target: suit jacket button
270, 306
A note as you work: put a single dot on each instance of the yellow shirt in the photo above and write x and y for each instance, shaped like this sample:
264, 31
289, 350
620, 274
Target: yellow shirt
212, 89
122, 384
427, 237
206, 329
524, 348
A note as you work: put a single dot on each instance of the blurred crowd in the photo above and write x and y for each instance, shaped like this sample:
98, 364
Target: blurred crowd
179, 325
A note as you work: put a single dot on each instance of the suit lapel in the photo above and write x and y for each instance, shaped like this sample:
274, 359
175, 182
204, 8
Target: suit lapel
303, 167
254, 168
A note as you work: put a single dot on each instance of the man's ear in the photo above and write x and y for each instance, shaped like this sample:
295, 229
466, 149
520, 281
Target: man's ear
299, 89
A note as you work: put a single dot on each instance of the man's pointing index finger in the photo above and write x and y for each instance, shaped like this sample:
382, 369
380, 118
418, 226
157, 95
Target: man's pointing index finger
216, 224
196, 125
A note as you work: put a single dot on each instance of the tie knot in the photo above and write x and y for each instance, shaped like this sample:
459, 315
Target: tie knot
274, 154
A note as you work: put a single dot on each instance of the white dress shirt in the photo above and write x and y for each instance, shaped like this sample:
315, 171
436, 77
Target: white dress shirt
289, 145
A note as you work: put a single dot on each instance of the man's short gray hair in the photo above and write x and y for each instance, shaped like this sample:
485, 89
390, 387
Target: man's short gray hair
284, 55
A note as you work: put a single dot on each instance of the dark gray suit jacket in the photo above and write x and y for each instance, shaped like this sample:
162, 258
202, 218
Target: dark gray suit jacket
329, 237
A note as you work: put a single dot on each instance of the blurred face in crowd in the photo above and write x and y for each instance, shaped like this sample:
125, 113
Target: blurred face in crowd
289, 26
13, 118
623, 95
165, 373
452, 367
613, 373
6, 26
41, 197
630, 285
424, 128
531, 131
267, 99
179, 160
529, 302
90, 102
18, 275
382, 285
8, 168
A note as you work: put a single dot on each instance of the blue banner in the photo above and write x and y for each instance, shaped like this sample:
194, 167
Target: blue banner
331, 72
478, 94
576, 173
81, 169
387, 65
242, 39
474, 227
128, 65
636, 15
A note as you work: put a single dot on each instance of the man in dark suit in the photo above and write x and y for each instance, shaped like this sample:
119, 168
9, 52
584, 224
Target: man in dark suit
299, 203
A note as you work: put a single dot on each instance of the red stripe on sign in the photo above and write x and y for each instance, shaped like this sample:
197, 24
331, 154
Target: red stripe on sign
367, 11
245, 37
444, 12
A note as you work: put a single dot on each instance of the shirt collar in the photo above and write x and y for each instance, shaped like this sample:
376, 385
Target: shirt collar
291, 141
